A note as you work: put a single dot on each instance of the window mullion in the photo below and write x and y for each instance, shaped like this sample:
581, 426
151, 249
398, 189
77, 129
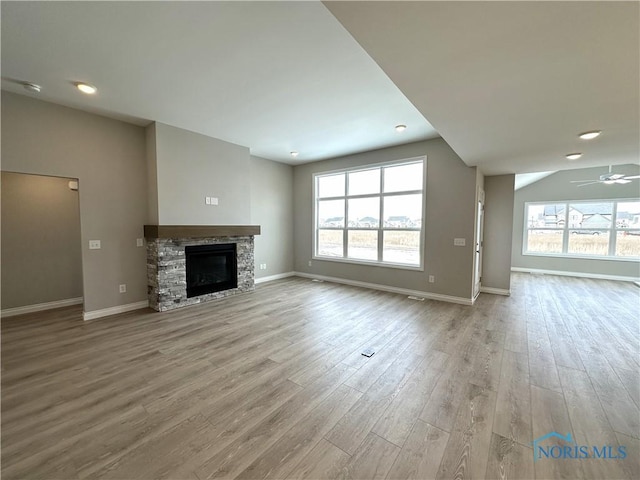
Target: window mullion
316, 213
345, 232
565, 230
402, 192
613, 232
381, 217
317, 230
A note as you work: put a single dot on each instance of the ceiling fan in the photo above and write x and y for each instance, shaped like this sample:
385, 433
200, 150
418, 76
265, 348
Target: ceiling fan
608, 179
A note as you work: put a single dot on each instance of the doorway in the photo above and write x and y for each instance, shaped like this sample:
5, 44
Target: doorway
41, 243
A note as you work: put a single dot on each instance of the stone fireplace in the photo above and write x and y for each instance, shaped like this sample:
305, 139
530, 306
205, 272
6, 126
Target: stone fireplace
191, 264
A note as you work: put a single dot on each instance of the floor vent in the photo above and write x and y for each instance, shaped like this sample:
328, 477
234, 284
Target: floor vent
368, 352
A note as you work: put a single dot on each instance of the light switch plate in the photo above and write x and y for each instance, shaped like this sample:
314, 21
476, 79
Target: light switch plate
214, 200
94, 245
207, 200
139, 242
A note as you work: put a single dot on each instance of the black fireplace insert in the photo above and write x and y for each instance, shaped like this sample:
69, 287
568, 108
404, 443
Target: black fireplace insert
211, 268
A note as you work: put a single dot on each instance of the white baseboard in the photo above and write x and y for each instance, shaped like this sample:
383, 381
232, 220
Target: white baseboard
105, 312
386, 288
495, 291
40, 307
595, 276
271, 278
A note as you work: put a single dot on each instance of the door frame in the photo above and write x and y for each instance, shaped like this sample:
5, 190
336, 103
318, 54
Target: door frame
478, 243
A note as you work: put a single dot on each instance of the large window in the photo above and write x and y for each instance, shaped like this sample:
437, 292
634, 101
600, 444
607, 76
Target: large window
371, 214
597, 228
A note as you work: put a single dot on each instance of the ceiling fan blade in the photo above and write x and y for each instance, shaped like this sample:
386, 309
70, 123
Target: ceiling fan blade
616, 176
590, 183
631, 178
622, 181
581, 181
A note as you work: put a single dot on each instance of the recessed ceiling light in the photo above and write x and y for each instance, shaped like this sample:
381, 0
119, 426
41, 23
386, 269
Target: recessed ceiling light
590, 135
294, 154
401, 128
32, 87
573, 156
86, 88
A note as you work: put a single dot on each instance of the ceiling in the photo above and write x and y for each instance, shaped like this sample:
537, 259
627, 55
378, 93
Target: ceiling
508, 85
273, 76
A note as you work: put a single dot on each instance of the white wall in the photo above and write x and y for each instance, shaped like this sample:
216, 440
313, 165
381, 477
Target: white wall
41, 256
130, 176
152, 175
558, 187
108, 158
189, 167
272, 209
450, 213
498, 229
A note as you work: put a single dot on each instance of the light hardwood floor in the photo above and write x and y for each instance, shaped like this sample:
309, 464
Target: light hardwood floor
272, 384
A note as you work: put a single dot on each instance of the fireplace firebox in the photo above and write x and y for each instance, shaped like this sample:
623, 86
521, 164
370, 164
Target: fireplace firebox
210, 268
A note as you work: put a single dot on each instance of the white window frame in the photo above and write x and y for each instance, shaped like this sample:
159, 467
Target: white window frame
612, 231
381, 228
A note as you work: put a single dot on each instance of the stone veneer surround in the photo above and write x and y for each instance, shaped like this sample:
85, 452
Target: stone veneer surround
166, 270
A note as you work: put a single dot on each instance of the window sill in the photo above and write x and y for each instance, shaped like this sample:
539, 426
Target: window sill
399, 266
581, 257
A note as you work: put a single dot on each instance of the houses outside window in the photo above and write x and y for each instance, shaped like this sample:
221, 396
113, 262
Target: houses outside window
371, 214
598, 228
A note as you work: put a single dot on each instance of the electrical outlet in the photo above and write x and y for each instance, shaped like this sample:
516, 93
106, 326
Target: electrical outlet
214, 200
123, 288
139, 242
309, 262
459, 242
263, 266
94, 245
432, 278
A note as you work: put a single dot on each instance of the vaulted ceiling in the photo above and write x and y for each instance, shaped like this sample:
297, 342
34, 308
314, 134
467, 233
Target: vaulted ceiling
508, 85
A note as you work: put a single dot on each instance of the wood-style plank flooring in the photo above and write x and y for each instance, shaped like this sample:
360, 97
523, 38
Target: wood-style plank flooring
272, 384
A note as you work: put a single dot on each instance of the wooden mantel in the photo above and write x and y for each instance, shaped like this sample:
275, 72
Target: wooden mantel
199, 231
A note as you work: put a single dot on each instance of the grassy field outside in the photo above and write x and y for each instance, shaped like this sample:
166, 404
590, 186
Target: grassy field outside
399, 247
544, 242
403, 246
628, 245
551, 242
